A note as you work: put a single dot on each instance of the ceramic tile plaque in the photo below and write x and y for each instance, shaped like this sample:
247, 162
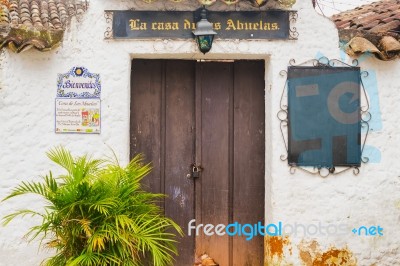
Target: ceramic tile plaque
78, 104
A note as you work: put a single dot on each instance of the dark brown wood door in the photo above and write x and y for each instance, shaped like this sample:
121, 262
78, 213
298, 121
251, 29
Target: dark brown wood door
211, 114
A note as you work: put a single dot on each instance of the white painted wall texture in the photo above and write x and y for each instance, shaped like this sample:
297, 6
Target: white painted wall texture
28, 89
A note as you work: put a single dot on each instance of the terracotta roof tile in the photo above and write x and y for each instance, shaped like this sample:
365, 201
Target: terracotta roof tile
36, 23
373, 28
386, 27
363, 16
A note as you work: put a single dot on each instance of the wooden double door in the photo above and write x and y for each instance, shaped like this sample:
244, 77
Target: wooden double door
210, 114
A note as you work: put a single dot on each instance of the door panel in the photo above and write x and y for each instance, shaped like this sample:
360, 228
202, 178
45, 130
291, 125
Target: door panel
145, 129
160, 91
248, 154
184, 112
216, 87
179, 150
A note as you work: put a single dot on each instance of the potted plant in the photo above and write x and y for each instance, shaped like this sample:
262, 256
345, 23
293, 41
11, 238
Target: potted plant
98, 214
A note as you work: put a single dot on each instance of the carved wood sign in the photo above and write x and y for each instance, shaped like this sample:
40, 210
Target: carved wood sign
272, 24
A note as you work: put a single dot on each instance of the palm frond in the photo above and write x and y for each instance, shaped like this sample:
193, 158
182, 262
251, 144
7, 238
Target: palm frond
99, 214
85, 227
87, 259
8, 218
97, 242
29, 187
137, 169
62, 157
57, 260
51, 183
104, 206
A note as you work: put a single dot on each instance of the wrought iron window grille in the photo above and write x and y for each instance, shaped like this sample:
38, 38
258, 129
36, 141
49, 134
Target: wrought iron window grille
365, 118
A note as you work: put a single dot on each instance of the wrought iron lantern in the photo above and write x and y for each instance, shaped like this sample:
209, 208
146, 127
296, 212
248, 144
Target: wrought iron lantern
204, 33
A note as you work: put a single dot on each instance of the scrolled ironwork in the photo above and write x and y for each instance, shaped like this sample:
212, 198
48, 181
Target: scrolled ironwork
346, 170
281, 104
108, 34
314, 62
334, 62
293, 33
283, 124
325, 61
356, 170
364, 159
325, 172
283, 73
283, 115
364, 74
366, 116
292, 170
322, 171
292, 62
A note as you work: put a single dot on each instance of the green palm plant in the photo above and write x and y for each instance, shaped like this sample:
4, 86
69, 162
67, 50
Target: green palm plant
98, 214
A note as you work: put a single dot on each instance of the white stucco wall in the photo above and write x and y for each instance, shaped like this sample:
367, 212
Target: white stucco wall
28, 89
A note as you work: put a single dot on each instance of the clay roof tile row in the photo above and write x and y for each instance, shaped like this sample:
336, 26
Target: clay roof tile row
36, 23
373, 28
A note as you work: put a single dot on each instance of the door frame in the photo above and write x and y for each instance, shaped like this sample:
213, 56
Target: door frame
268, 107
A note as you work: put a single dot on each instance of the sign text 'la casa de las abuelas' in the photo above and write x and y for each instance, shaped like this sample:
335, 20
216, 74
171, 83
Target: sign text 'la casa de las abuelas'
273, 24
